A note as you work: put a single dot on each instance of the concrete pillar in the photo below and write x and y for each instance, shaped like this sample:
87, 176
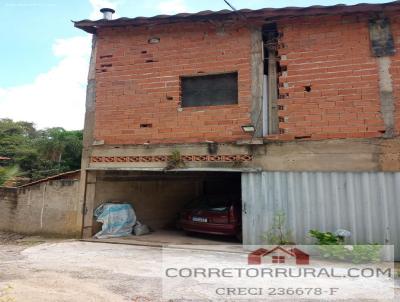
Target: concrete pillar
382, 47
257, 81
386, 95
86, 192
88, 207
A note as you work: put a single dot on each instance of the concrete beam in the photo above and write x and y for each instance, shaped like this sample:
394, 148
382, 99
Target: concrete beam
326, 155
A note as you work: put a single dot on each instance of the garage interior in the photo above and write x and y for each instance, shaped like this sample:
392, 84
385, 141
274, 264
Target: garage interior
159, 197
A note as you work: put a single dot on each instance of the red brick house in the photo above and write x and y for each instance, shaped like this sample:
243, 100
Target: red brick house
297, 107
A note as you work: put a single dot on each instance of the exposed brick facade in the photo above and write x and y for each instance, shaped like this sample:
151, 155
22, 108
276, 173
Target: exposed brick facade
331, 55
138, 83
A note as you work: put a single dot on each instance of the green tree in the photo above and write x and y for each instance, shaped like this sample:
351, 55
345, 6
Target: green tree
63, 148
15, 136
39, 153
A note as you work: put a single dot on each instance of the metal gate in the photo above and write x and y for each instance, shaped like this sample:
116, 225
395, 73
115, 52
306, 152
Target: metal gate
365, 203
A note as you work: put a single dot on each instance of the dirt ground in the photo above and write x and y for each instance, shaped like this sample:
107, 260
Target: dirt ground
37, 269
34, 269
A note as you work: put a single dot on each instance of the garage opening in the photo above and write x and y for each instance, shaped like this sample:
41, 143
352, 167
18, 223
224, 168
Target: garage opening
178, 207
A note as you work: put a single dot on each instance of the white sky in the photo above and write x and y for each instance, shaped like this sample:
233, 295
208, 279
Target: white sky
56, 97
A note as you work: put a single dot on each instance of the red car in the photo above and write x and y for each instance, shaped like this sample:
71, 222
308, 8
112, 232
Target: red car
219, 215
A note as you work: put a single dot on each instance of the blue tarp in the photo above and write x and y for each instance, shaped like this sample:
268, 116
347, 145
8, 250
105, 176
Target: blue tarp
117, 219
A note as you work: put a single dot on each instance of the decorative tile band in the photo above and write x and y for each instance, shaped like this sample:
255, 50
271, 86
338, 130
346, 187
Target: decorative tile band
164, 158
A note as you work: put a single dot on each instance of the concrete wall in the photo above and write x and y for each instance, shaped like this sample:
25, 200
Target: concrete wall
326, 155
47, 208
8, 205
157, 203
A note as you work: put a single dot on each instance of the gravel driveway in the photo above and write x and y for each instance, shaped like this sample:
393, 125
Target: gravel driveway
33, 269
79, 271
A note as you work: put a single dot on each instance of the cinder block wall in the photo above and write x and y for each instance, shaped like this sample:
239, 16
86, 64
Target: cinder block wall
157, 203
138, 83
48, 208
332, 55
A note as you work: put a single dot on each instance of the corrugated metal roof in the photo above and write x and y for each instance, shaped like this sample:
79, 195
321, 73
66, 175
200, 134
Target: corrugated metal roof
4, 158
91, 26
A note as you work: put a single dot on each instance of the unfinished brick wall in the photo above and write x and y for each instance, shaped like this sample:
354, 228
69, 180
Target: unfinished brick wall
330, 57
138, 84
329, 83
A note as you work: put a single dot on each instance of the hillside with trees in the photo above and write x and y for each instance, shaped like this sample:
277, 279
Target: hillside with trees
37, 153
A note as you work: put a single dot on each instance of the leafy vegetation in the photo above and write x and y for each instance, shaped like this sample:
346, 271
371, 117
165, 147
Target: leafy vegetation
175, 161
353, 253
278, 234
37, 153
326, 238
331, 246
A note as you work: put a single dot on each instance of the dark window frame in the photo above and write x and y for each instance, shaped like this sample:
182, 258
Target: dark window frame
190, 97
278, 259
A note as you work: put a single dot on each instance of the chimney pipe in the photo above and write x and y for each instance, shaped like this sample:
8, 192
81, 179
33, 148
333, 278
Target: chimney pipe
107, 13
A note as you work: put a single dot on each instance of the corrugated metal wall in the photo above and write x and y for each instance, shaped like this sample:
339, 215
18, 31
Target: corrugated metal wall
366, 203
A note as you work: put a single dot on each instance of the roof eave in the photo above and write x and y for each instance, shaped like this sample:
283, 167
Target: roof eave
265, 14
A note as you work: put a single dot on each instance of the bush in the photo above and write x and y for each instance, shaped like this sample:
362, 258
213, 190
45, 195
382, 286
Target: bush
332, 247
326, 238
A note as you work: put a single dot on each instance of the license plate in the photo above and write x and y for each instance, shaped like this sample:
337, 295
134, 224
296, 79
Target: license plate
199, 219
